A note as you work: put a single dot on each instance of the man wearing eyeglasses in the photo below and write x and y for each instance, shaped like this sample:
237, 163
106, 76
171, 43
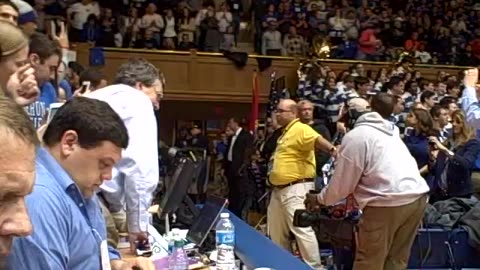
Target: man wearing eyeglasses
292, 173
136, 92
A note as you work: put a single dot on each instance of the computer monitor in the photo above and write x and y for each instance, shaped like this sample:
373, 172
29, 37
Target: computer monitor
206, 220
177, 188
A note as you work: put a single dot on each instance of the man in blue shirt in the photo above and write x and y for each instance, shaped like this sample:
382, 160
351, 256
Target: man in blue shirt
83, 142
44, 56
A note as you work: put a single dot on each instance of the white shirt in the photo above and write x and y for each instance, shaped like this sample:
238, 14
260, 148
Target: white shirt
82, 12
170, 27
135, 177
153, 22
224, 20
232, 143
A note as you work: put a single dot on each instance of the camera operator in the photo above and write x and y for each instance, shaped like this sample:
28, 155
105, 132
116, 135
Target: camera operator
291, 177
374, 165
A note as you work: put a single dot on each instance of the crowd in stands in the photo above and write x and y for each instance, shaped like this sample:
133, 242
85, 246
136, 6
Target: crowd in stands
443, 32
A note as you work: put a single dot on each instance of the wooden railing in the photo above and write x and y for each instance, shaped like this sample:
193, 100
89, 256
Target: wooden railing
199, 76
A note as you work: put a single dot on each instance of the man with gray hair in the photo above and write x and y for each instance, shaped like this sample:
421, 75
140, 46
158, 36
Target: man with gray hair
136, 91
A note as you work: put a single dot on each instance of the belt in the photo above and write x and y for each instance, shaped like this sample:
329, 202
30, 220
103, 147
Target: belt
304, 180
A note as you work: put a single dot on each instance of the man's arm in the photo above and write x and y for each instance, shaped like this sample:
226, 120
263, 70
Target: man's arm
47, 246
471, 106
324, 145
347, 174
140, 167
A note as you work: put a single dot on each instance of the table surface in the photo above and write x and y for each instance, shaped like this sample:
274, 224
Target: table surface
129, 257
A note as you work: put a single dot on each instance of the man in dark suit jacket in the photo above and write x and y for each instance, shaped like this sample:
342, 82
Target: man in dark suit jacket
238, 144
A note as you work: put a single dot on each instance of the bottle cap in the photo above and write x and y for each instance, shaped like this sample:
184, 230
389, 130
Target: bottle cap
224, 215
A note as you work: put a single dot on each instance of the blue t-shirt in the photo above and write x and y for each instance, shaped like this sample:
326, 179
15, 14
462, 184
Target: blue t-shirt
65, 85
37, 109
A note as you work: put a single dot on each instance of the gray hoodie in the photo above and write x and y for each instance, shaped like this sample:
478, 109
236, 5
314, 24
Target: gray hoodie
375, 166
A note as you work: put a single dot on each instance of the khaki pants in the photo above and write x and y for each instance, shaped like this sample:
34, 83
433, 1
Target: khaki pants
116, 223
283, 203
386, 234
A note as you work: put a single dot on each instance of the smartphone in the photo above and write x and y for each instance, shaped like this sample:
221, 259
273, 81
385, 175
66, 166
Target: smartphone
409, 131
85, 87
52, 109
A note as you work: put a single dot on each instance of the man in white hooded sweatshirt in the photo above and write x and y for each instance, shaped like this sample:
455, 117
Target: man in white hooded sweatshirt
376, 167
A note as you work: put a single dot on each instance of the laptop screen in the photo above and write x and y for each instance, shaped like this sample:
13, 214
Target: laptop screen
206, 221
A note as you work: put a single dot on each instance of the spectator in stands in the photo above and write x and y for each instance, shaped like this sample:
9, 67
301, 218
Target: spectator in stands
428, 99
45, 57
91, 31
186, 24
419, 129
64, 89
272, 40
228, 41
73, 74
78, 14
293, 44
170, 34
153, 22
224, 18
440, 118
129, 27
412, 44
108, 29
451, 104
210, 31
185, 44
451, 163
337, 27
8, 11
453, 90
27, 19
96, 78
17, 79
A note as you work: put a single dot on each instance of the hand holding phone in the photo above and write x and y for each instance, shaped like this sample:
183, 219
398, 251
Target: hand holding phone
52, 109
85, 87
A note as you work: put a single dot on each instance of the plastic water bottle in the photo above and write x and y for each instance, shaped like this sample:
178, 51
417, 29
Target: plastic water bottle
179, 258
174, 234
225, 238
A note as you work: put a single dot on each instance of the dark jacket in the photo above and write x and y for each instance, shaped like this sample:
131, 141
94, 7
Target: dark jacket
321, 157
243, 142
459, 170
418, 147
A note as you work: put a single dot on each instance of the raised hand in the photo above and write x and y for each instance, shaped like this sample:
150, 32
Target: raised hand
62, 37
22, 86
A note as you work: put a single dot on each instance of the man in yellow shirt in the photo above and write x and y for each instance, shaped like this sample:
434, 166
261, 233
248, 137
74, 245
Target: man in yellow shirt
292, 176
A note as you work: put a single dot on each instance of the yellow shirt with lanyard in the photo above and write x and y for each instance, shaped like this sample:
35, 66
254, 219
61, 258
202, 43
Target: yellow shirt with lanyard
294, 157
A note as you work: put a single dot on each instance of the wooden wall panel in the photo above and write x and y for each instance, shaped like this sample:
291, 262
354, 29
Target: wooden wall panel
195, 76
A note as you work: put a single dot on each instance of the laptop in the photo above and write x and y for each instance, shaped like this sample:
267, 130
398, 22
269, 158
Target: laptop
206, 220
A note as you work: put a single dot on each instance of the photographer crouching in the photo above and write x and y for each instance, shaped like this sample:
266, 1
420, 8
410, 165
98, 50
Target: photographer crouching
292, 173
375, 167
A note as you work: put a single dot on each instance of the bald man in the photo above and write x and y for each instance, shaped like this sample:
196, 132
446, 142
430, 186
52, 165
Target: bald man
292, 176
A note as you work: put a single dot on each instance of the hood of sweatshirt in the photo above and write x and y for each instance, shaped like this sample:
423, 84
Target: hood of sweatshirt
376, 121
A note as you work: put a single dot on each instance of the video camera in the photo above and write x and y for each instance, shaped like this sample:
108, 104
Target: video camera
336, 223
